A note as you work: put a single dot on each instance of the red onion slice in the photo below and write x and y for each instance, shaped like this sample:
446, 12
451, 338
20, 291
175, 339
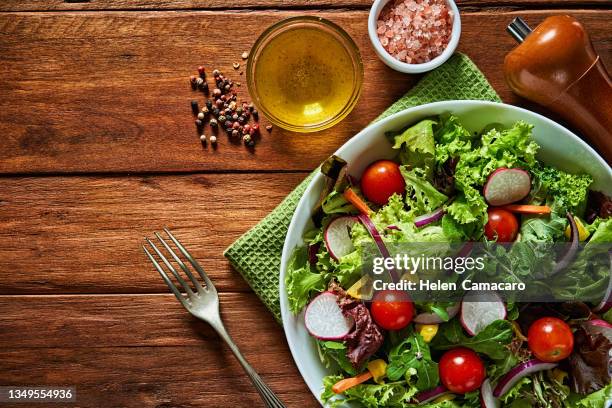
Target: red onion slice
487, 400
517, 373
369, 225
432, 318
394, 227
426, 396
434, 216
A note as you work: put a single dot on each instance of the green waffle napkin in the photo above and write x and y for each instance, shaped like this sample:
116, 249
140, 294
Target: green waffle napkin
257, 253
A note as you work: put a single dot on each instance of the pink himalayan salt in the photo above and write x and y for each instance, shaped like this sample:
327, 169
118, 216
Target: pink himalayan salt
415, 31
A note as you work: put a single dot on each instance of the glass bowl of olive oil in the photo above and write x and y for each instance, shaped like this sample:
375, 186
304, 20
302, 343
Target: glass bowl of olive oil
305, 74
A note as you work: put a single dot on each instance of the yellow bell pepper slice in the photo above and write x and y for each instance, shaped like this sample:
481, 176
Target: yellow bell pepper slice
362, 289
427, 331
378, 369
583, 234
445, 397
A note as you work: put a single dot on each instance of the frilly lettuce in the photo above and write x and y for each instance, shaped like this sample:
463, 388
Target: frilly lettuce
301, 281
421, 196
417, 145
569, 190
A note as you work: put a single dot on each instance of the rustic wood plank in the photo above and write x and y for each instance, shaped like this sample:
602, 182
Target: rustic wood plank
132, 320
107, 91
84, 234
68, 5
135, 351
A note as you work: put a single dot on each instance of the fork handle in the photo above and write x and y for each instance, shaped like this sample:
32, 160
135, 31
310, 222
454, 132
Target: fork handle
267, 395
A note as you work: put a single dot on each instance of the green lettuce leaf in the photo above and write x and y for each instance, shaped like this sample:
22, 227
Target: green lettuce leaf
452, 139
569, 190
491, 341
390, 395
333, 355
421, 196
412, 357
300, 281
416, 145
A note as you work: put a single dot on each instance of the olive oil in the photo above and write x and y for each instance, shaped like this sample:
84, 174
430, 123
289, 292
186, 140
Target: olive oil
305, 77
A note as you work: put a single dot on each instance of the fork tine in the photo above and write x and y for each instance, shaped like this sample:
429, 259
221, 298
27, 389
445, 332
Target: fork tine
169, 265
166, 278
192, 261
178, 260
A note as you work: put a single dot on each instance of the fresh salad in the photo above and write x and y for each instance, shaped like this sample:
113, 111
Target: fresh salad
448, 184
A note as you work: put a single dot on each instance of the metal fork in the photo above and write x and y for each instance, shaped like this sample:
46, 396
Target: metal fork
203, 303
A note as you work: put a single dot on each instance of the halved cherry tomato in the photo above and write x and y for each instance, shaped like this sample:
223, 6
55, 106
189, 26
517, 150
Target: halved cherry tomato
550, 339
502, 225
461, 370
392, 309
380, 180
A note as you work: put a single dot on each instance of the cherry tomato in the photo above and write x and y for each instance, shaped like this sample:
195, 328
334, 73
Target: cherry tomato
380, 180
550, 339
502, 225
461, 370
392, 309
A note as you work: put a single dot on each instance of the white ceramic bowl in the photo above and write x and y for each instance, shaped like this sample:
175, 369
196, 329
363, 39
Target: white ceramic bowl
397, 65
559, 147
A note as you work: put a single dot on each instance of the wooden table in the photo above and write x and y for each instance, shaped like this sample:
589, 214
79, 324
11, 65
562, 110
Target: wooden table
98, 149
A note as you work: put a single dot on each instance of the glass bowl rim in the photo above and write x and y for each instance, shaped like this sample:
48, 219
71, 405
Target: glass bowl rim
331, 28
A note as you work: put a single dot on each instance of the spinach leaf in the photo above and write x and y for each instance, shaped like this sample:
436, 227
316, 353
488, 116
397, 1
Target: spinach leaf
412, 356
491, 341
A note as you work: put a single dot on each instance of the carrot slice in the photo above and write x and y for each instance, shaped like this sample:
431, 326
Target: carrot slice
347, 383
354, 199
527, 209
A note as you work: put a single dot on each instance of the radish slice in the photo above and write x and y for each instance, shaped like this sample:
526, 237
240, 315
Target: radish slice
338, 238
600, 323
324, 318
434, 216
505, 186
432, 318
478, 310
517, 373
487, 400
429, 395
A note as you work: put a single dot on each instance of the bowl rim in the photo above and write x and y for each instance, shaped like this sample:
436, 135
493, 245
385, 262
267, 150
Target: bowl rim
347, 43
286, 314
400, 66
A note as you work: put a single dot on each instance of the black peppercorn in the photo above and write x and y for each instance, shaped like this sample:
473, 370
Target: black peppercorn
198, 123
209, 104
216, 112
242, 120
255, 114
205, 88
194, 107
227, 87
251, 106
213, 123
228, 126
239, 111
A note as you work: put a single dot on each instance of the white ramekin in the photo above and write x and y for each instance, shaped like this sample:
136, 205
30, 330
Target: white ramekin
397, 65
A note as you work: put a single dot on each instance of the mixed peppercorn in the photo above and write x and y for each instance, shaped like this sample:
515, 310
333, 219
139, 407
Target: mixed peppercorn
223, 111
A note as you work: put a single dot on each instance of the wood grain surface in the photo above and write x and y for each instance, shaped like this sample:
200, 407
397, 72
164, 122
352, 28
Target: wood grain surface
66, 5
98, 149
108, 91
144, 351
84, 234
